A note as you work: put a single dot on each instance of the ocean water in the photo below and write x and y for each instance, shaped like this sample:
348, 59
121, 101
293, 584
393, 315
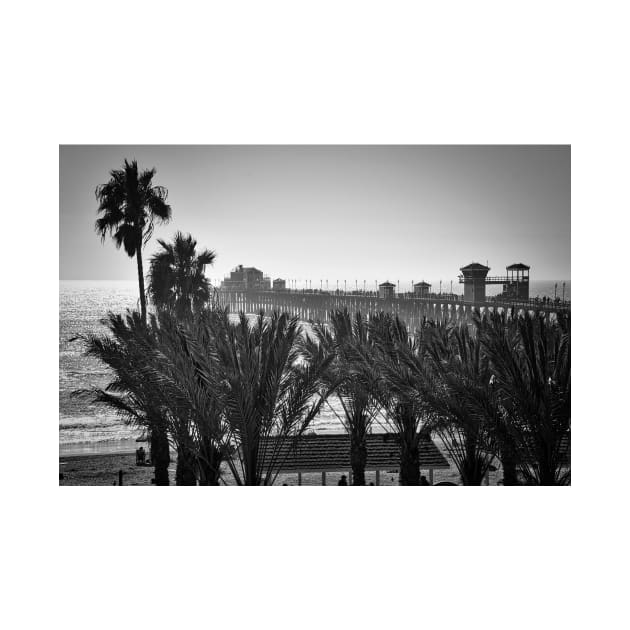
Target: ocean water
86, 426
83, 425
81, 306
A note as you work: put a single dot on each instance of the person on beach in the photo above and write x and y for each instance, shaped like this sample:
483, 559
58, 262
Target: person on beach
343, 481
140, 456
423, 481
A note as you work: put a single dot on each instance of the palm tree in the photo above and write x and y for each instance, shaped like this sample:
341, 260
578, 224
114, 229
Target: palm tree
130, 205
347, 342
392, 380
127, 351
530, 356
191, 388
157, 386
177, 279
451, 376
271, 393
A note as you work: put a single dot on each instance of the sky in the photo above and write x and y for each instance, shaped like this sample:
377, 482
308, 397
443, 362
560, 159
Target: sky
354, 213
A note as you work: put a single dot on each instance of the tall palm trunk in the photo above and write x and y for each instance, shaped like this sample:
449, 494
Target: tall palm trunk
143, 297
160, 455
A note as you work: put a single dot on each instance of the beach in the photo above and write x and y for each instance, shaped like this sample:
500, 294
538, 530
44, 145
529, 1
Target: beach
102, 469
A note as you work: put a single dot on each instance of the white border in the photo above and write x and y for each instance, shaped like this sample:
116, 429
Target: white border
283, 72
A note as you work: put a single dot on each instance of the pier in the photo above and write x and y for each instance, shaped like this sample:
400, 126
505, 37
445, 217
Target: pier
313, 305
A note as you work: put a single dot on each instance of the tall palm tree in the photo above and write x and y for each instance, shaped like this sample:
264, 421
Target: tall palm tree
347, 342
177, 279
130, 205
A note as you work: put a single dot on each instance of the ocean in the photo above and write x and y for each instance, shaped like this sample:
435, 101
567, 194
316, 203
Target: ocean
87, 427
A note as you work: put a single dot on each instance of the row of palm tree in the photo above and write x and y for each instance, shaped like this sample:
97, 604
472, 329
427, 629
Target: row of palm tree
220, 391
499, 388
238, 395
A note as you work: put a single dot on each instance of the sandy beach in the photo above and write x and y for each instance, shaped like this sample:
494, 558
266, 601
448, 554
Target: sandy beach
102, 469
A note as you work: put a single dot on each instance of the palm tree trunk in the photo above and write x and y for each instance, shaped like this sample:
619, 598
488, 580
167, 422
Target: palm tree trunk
358, 458
508, 462
471, 474
185, 471
547, 470
143, 297
160, 454
210, 465
409, 463
251, 475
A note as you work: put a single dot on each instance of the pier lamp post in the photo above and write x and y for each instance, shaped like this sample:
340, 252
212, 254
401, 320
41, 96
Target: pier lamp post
563, 291
320, 285
364, 286
337, 286
344, 287
555, 291
326, 284
356, 285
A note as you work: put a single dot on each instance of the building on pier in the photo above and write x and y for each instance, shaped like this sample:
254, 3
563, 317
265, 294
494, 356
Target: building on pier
244, 279
279, 284
474, 280
515, 282
386, 290
421, 289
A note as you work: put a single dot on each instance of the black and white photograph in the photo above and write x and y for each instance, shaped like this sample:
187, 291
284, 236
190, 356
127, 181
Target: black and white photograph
300, 315
255, 252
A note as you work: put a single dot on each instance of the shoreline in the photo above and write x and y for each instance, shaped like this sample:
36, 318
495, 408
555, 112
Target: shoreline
109, 447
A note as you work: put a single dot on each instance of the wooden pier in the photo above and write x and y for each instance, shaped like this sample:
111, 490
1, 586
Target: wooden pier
316, 305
